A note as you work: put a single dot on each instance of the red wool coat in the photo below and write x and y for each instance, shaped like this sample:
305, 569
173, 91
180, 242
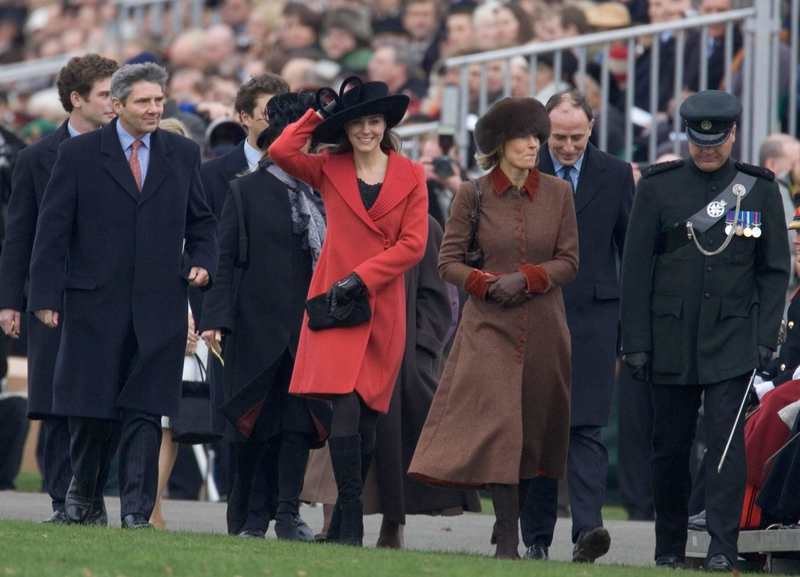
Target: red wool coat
379, 245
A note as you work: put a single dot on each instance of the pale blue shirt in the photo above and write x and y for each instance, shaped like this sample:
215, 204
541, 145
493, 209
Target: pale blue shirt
71, 129
251, 154
574, 175
126, 140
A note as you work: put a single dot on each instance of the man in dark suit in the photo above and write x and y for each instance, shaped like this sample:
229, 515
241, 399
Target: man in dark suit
251, 105
603, 188
659, 11
109, 253
714, 52
83, 87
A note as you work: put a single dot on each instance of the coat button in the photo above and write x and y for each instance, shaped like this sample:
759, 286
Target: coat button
791, 324
522, 339
707, 295
521, 349
709, 269
519, 361
521, 219
522, 229
522, 261
524, 317
710, 243
783, 368
522, 251
522, 239
523, 329
524, 306
713, 188
519, 209
386, 244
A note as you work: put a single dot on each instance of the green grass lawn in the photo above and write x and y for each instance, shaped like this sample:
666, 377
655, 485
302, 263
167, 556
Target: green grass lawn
29, 549
28, 482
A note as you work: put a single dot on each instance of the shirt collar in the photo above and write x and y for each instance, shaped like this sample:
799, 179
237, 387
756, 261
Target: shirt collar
501, 182
127, 140
71, 129
557, 166
251, 154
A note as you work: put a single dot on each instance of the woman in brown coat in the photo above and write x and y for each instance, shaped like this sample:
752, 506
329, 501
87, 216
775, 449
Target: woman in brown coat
501, 414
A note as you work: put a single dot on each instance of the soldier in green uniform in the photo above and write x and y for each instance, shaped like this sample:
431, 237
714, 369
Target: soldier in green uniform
705, 272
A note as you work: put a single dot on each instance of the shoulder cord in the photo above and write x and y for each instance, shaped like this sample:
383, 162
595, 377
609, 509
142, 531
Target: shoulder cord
690, 230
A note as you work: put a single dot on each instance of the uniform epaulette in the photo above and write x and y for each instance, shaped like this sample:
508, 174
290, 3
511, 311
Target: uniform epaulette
661, 167
756, 170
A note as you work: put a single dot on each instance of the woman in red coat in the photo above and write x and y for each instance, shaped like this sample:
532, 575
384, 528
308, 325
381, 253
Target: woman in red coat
376, 203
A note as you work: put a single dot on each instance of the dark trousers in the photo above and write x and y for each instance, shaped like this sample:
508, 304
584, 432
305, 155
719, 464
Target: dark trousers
13, 432
635, 446
137, 437
56, 468
256, 463
674, 427
587, 469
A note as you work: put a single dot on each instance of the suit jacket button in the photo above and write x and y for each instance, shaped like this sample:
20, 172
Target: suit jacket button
791, 324
386, 244
707, 295
519, 361
783, 368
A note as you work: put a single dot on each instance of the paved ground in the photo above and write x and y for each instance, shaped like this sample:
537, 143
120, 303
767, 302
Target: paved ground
632, 543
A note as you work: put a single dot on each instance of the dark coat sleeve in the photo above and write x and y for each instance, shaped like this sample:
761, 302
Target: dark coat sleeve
218, 301
621, 226
201, 230
20, 233
433, 296
637, 270
772, 270
53, 233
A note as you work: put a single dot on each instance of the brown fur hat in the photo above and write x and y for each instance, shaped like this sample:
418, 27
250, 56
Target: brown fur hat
511, 118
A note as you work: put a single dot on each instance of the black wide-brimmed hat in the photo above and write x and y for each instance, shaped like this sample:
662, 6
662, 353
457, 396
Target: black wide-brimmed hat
363, 99
283, 110
710, 116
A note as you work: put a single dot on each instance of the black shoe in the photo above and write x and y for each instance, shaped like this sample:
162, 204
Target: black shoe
670, 562
57, 518
591, 545
719, 563
98, 515
698, 522
290, 527
78, 502
252, 533
538, 552
136, 521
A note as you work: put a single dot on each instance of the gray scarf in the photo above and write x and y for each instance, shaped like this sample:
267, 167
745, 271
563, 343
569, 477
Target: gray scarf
308, 212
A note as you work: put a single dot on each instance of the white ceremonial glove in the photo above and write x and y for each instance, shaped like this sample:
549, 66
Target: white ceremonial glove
763, 388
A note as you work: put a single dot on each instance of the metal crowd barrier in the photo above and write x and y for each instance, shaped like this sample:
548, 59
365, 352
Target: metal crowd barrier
760, 96
131, 16
411, 135
41, 68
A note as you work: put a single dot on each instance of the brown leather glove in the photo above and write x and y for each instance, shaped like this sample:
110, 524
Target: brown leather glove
505, 287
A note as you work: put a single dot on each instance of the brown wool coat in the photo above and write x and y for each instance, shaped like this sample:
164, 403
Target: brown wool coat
501, 412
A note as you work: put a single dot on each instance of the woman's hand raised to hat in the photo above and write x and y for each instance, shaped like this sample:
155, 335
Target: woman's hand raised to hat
327, 110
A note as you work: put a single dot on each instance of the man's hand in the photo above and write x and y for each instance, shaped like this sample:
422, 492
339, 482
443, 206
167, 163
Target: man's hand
9, 320
48, 317
764, 356
639, 365
505, 287
212, 337
198, 276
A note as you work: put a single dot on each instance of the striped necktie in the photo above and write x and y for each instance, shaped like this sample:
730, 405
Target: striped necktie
136, 168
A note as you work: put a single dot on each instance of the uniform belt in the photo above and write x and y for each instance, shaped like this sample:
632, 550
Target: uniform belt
702, 220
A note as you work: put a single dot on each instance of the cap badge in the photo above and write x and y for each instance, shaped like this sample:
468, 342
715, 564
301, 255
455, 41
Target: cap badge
705, 125
716, 209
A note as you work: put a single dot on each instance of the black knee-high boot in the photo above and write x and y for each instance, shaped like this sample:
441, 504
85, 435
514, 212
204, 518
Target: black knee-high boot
247, 456
336, 519
505, 499
292, 463
346, 461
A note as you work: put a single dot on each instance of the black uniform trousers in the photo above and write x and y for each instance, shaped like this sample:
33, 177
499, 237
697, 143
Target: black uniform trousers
587, 468
635, 446
137, 437
56, 468
13, 432
674, 427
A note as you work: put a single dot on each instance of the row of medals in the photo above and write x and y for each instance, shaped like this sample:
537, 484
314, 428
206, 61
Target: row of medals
742, 230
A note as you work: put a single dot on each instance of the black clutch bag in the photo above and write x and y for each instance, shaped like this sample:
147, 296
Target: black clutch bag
321, 318
473, 257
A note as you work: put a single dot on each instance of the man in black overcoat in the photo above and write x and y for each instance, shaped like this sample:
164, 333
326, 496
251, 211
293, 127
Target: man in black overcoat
659, 11
83, 87
705, 271
603, 188
109, 253
715, 49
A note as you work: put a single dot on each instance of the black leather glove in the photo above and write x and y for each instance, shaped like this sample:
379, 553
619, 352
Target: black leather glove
639, 365
332, 107
342, 295
764, 356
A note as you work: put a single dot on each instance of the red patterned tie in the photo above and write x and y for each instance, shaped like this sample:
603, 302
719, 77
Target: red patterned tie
136, 168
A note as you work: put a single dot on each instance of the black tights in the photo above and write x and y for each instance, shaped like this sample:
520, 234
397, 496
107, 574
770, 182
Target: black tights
351, 416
